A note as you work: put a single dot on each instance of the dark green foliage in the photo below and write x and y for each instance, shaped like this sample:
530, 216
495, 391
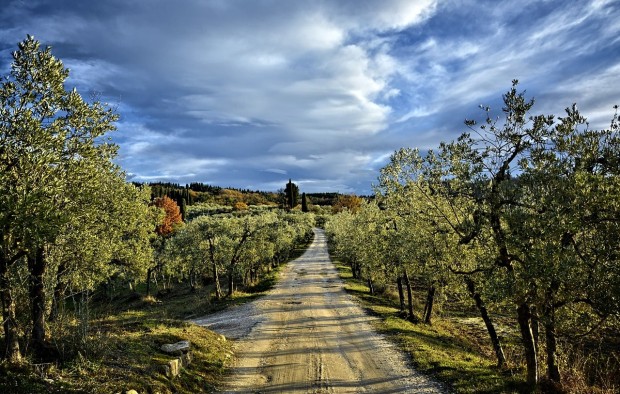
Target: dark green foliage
172, 190
202, 187
304, 203
183, 208
292, 194
200, 192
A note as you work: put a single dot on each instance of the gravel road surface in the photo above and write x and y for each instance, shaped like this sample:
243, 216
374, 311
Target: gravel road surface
308, 336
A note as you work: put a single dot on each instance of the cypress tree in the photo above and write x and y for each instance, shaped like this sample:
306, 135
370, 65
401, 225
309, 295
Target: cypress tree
183, 209
292, 194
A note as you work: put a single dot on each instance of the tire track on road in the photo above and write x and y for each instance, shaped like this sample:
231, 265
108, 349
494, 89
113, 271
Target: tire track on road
308, 336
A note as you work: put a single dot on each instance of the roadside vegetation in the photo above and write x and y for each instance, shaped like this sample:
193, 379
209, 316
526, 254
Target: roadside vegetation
516, 222
453, 349
96, 273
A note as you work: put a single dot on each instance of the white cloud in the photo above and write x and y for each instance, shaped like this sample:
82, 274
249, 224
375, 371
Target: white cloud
384, 15
264, 90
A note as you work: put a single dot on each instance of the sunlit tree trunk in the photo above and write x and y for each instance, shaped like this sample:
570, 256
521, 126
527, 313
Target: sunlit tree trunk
231, 282
497, 346
371, 286
216, 279
535, 323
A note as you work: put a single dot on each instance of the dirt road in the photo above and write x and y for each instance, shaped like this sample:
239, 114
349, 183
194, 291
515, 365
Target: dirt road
308, 336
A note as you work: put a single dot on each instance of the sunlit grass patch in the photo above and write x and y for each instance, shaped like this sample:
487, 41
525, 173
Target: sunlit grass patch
115, 347
122, 352
444, 350
451, 358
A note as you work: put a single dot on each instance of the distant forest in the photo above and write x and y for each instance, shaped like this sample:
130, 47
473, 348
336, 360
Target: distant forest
197, 192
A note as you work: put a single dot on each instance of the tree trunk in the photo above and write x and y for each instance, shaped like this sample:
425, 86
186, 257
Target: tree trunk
428, 308
59, 293
401, 294
83, 315
216, 279
231, 283
11, 343
497, 346
535, 322
36, 267
371, 287
355, 270
148, 281
410, 316
192, 281
553, 369
165, 282
524, 317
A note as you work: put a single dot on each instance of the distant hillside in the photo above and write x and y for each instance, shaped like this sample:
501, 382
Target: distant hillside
196, 192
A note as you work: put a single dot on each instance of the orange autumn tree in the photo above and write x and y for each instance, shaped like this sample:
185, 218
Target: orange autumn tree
171, 220
173, 215
350, 202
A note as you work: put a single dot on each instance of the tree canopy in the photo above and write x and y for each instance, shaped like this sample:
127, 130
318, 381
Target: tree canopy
59, 188
521, 214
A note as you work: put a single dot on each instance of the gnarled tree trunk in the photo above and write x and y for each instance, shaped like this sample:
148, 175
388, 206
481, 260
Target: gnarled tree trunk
216, 279
497, 345
428, 307
411, 316
524, 317
553, 369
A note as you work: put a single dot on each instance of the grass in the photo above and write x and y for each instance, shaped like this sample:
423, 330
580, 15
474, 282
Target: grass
122, 349
446, 350
122, 353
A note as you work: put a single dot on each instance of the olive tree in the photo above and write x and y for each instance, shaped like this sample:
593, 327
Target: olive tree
56, 176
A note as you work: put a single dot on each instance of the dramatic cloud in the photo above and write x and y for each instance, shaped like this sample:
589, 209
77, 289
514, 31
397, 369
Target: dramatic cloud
251, 93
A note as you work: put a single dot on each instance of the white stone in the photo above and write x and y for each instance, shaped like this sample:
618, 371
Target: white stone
176, 348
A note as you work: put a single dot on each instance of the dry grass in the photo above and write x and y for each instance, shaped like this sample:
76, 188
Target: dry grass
451, 350
118, 347
456, 349
122, 352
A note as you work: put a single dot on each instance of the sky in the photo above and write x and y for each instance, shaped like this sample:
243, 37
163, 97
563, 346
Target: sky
251, 93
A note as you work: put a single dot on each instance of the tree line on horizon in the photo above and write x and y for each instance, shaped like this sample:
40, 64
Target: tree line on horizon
289, 196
